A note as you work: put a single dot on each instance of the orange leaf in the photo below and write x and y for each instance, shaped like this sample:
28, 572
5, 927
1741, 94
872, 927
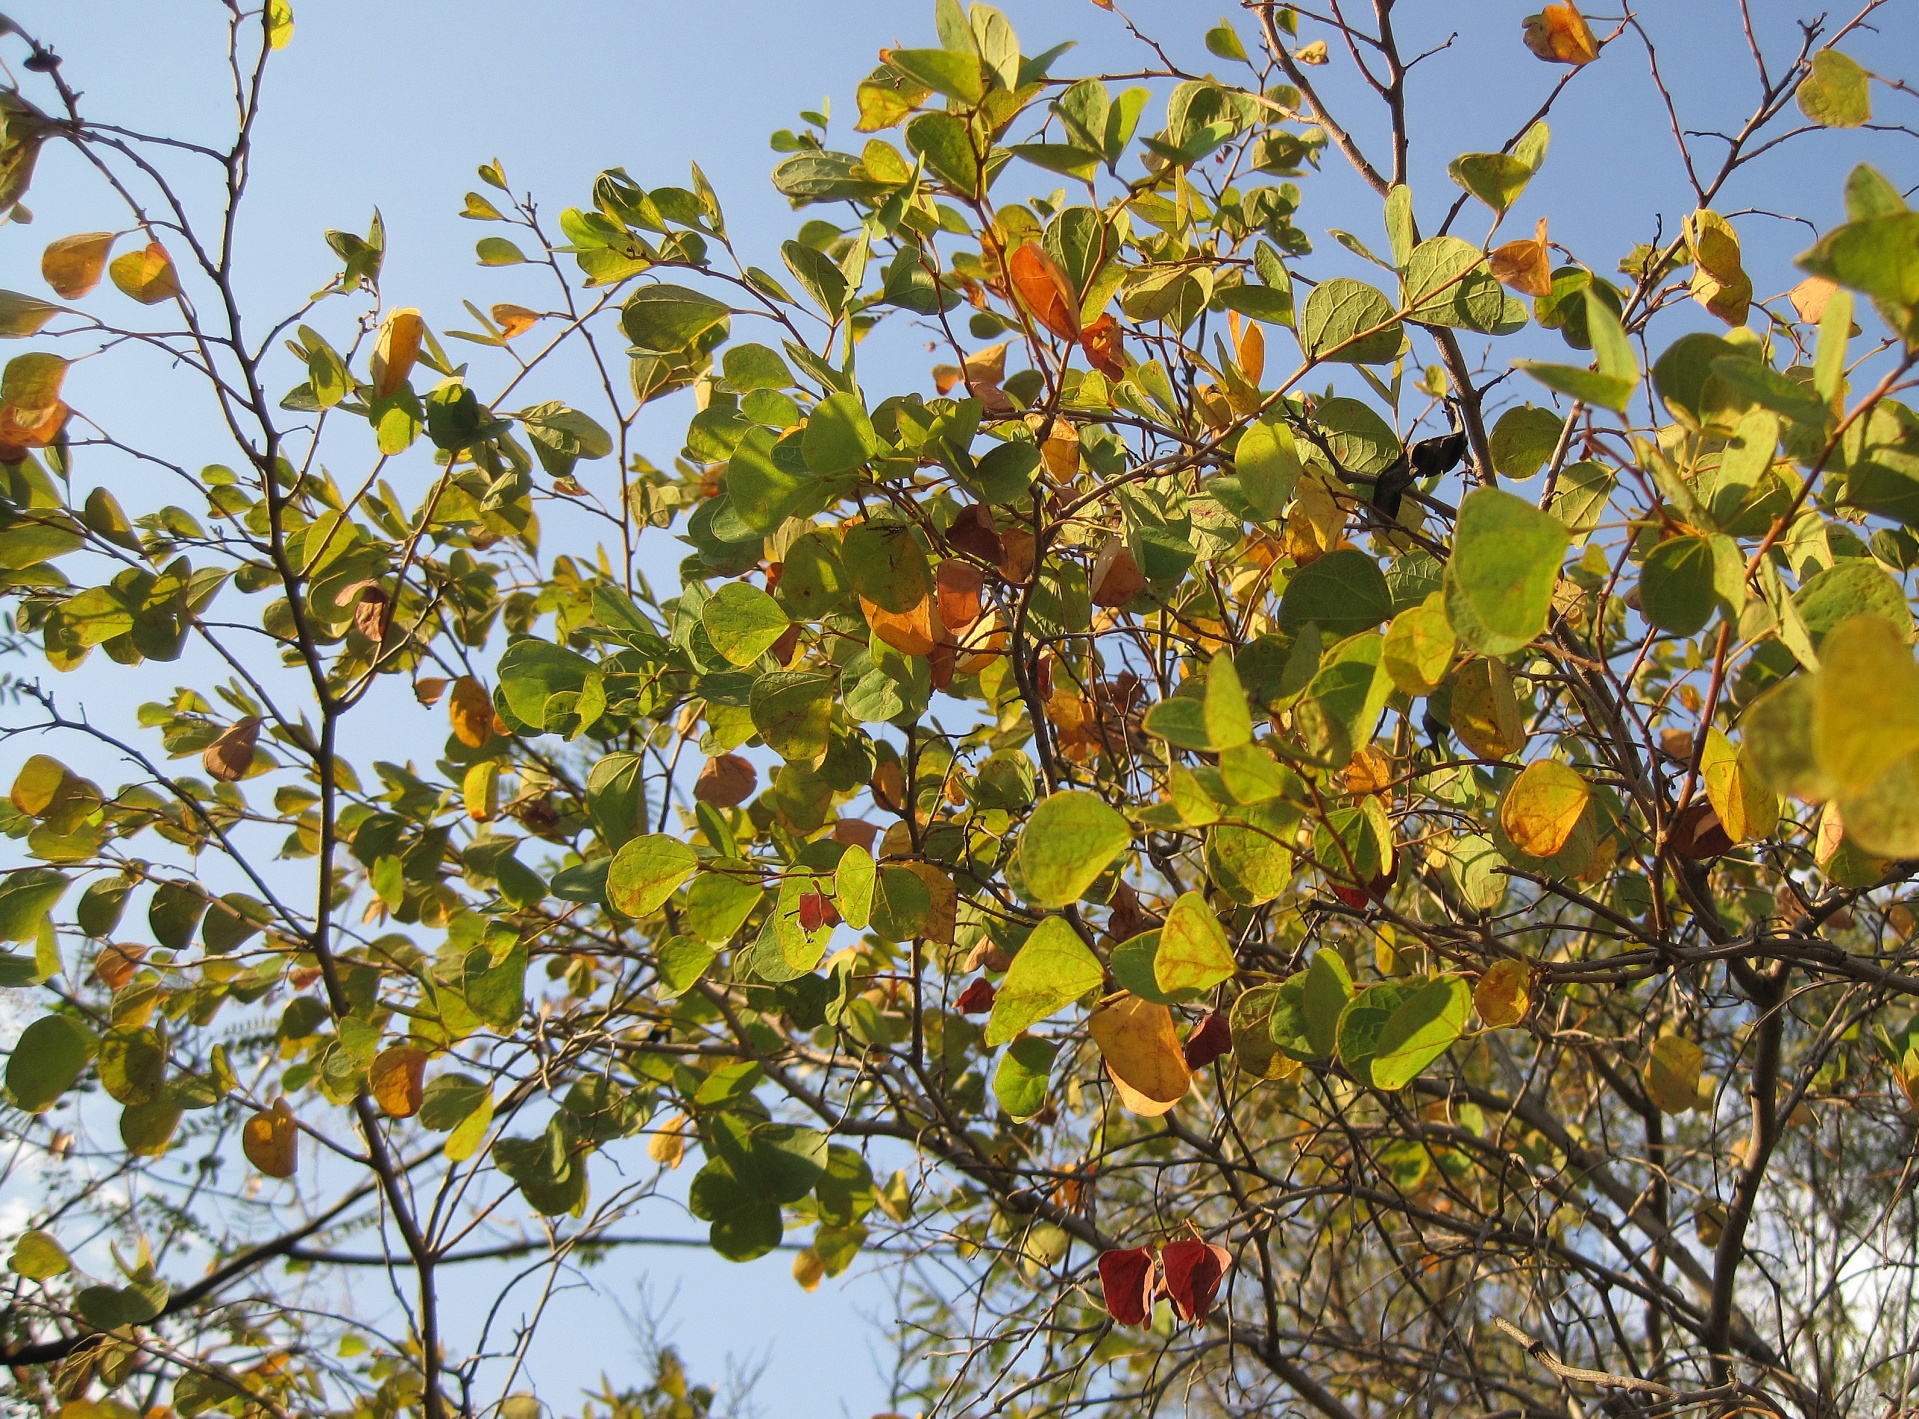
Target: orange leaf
471, 710
114, 966
1044, 290
1526, 266
914, 631
1250, 351
396, 1078
270, 1140
1116, 577
428, 691
146, 275
726, 782
21, 429
1559, 34
514, 319
72, 265
957, 585
1101, 341
230, 756
395, 350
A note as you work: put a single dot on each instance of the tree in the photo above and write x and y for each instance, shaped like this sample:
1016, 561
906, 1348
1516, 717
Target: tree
1154, 826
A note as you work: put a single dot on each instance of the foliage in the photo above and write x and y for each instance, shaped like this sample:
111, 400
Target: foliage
1154, 819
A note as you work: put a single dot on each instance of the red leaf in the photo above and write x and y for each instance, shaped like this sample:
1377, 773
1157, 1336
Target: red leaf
816, 910
1213, 1038
1126, 1276
1101, 342
1193, 1271
976, 999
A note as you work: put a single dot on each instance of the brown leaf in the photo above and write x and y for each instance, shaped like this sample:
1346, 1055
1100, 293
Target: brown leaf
396, 1078
428, 691
395, 350
470, 709
115, 964
1116, 577
977, 998
1016, 556
73, 265
270, 1139
974, 534
1526, 266
230, 756
1044, 290
855, 832
513, 319
1559, 34
146, 275
1209, 1041
1103, 347
1699, 834
370, 613
727, 781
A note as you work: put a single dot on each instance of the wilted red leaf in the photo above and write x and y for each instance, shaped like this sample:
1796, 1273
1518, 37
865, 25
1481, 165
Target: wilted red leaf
816, 911
230, 756
856, 832
1126, 1277
1212, 1038
1044, 290
726, 782
1101, 341
1192, 1271
977, 998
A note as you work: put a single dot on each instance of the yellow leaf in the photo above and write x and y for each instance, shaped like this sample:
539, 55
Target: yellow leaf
147, 275
1747, 809
943, 916
394, 351
480, 791
1543, 807
1142, 1053
1672, 1074
808, 1269
37, 784
668, 1146
1314, 53
470, 709
279, 18
1526, 266
72, 265
1485, 714
1504, 993
270, 1140
1194, 953
396, 1080
1866, 703
1719, 282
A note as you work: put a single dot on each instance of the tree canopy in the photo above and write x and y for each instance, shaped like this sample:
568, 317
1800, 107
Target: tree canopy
1273, 839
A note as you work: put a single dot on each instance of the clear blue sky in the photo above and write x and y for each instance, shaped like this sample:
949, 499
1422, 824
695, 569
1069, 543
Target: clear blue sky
393, 103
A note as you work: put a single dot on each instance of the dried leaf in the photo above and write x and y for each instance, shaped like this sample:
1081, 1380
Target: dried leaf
115, 964
513, 319
726, 781
230, 756
957, 586
1193, 1270
1526, 266
1104, 348
1116, 578
428, 691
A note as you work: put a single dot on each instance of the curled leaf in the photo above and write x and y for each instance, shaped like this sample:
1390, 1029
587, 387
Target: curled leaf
1126, 1278
1526, 266
1559, 34
230, 756
1192, 1271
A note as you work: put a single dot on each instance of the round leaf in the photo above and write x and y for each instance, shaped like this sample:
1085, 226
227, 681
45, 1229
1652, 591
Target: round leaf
1067, 844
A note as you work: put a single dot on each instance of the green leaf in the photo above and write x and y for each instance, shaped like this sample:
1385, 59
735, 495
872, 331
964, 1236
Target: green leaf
38, 1257
1686, 578
947, 145
1019, 1083
1419, 1031
1067, 843
1223, 40
1324, 995
1193, 952
853, 882
646, 872
1343, 593
1228, 721
957, 76
791, 710
1523, 439
47, 1060
763, 494
498, 251
133, 1064
1351, 322
839, 437
902, 904
21, 316
1836, 92
1249, 858
1866, 708
887, 565
1268, 464
532, 672
26, 897
1446, 282
667, 319
1877, 255
495, 990
721, 899
1496, 179
815, 271
1505, 563
1051, 971
743, 622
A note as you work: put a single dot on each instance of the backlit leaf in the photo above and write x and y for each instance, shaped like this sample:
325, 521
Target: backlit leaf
1052, 970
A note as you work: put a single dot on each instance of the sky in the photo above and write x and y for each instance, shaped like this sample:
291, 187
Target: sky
393, 103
